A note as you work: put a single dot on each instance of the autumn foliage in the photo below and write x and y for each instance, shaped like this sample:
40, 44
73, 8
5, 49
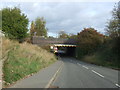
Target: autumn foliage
89, 40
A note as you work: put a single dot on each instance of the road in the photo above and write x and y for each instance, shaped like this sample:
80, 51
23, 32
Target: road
78, 74
40, 79
71, 73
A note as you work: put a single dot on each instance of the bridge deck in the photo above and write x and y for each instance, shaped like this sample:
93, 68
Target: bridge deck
46, 41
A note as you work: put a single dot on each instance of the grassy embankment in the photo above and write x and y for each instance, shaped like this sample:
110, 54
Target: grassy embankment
103, 58
21, 60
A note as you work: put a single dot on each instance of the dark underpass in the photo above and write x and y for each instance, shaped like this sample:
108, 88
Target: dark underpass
70, 52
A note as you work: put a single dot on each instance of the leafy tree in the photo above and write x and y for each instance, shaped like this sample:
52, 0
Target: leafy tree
14, 23
113, 30
63, 34
72, 36
113, 27
40, 28
32, 29
89, 40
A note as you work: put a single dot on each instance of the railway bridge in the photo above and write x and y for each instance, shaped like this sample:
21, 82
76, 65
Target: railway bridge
58, 45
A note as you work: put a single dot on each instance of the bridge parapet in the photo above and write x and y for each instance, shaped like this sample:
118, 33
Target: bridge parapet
46, 41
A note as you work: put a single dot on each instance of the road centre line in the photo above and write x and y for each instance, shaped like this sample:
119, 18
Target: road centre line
85, 67
117, 85
97, 73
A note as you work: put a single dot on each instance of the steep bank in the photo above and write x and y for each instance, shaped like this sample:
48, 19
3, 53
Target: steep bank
21, 60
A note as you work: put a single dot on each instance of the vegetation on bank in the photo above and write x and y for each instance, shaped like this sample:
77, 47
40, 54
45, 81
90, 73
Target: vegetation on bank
104, 57
101, 49
21, 60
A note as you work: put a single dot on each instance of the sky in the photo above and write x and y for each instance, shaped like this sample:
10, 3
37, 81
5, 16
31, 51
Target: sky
72, 17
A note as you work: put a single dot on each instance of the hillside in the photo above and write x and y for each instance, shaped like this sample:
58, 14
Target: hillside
22, 60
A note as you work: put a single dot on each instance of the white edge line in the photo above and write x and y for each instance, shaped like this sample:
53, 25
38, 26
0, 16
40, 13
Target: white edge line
85, 67
117, 85
48, 85
78, 64
97, 73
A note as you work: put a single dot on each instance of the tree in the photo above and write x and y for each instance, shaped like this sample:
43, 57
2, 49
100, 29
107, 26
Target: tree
72, 36
89, 40
40, 28
113, 30
32, 29
14, 23
63, 34
113, 27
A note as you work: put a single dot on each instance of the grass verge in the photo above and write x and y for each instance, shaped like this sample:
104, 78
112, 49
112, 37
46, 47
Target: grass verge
101, 59
23, 59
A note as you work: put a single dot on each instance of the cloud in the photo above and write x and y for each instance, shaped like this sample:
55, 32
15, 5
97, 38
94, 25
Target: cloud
69, 16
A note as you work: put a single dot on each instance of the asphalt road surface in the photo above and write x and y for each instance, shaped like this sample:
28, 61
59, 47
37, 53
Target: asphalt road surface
78, 74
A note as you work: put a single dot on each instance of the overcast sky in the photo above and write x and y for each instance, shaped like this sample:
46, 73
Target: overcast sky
71, 17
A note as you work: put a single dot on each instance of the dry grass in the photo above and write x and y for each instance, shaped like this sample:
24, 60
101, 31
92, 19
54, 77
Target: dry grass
93, 59
35, 50
23, 59
7, 45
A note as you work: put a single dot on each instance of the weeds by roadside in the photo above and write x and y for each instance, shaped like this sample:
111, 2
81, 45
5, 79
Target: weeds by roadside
24, 59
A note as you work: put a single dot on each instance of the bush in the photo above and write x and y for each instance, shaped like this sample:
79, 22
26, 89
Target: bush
89, 40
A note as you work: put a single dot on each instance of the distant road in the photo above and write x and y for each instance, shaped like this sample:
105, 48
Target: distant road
77, 74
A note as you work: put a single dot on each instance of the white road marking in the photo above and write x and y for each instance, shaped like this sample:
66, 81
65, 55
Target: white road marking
48, 85
78, 64
97, 73
85, 67
117, 85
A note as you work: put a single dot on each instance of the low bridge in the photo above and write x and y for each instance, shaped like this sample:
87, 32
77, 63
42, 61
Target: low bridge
46, 41
68, 45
